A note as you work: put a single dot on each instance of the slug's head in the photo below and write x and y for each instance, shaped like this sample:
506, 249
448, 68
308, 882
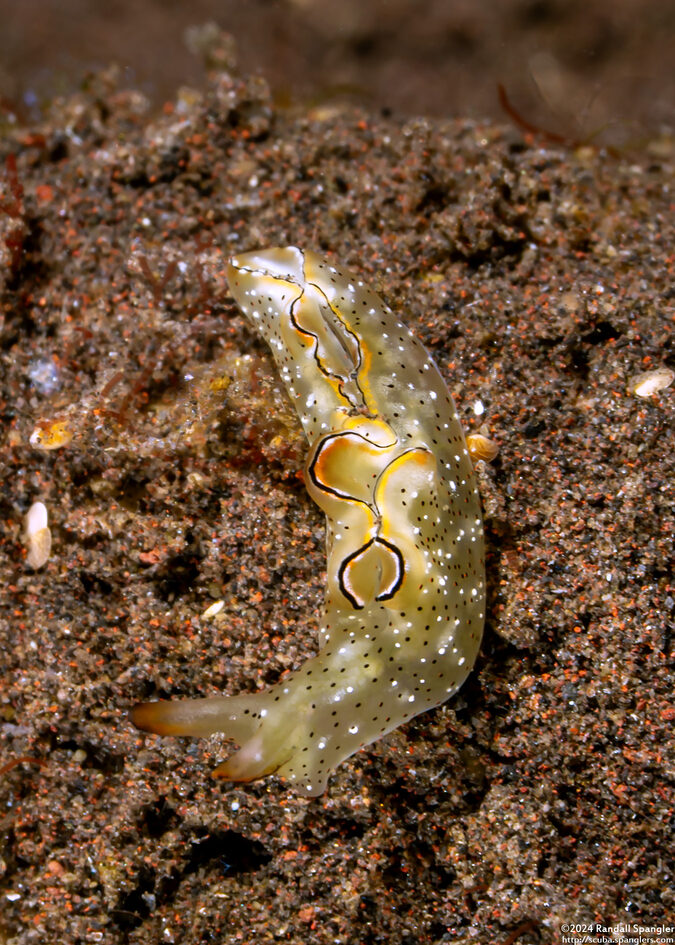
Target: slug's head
285, 265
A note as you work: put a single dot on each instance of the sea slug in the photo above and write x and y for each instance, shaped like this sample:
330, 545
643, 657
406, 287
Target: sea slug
389, 466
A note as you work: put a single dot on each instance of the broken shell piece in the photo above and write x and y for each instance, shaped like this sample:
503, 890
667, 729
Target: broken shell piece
51, 435
38, 535
213, 610
644, 385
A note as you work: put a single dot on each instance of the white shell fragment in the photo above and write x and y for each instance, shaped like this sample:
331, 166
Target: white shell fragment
651, 382
52, 435
389, 466
38, 536
213, 610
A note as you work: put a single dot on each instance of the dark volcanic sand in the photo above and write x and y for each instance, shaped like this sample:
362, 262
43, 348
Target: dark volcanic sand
541, 279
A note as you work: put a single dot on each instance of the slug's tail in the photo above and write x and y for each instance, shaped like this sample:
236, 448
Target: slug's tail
237, 716
243, 718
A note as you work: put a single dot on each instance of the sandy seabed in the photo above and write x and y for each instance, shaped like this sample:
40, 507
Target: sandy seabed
541, 280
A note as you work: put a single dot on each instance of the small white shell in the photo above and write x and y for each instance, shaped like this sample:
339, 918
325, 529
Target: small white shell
38, 535
482, 447
650, 382
213, 610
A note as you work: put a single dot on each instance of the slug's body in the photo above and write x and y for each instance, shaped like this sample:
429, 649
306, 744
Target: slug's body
388, 464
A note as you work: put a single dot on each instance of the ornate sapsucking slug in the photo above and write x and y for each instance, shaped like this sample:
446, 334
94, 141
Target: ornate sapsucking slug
388, 464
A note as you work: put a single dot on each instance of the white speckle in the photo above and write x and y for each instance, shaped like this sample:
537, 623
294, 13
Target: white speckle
44, 375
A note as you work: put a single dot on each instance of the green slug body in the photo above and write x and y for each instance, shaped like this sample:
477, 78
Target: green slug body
388, 464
